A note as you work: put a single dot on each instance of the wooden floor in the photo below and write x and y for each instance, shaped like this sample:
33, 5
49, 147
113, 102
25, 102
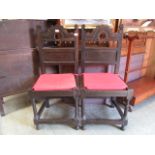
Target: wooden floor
143, 88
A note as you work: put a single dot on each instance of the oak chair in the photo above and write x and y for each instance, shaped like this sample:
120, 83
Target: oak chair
56, 47
103, 47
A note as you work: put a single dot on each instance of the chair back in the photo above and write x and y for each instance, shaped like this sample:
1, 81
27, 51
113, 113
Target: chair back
101, 46
57, 46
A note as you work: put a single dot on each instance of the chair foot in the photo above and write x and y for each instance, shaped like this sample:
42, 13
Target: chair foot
130, 109
36, 118
2, 113
82, 127
122, 127
77, 127
37, 126
124, 124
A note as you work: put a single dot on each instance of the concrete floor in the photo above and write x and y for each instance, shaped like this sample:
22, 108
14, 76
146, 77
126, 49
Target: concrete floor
19, 119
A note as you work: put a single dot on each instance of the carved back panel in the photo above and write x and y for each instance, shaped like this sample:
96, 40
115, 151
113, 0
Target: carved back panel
57, 46
101, 46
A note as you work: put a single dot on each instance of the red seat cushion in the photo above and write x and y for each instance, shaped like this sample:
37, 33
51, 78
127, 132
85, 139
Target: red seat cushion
103, 81
48, 82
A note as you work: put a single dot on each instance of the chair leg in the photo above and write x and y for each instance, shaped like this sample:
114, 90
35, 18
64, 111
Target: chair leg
124, 118
37, 126
83, 117
77, 113
115, 104
36, 116
130, 104
47, 103
2, 113
130, 108
122, 113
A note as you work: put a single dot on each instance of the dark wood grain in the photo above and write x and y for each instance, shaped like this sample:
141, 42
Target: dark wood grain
56, 47
95, 51
18, 57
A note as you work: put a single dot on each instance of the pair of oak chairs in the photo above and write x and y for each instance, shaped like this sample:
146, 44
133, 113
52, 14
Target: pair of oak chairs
100, 46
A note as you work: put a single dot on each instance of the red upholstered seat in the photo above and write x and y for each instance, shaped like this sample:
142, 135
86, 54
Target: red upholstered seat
47, 82
103, 81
